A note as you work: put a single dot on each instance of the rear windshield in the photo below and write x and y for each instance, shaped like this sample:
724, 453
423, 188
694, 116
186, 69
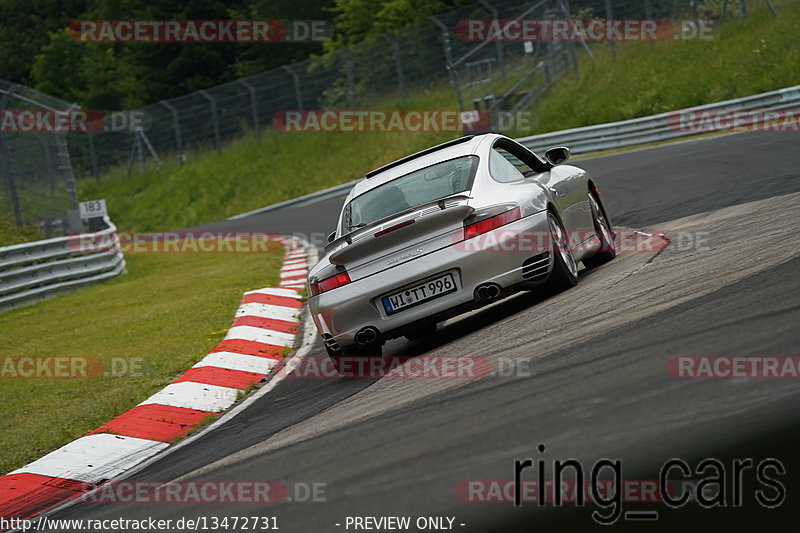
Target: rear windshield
418, 187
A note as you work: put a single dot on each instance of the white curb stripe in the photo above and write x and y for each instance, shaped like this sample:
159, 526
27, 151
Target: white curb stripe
237, 361
94, 458
269, 311
274, 291
294, 274
251, 333
298, 268
194, 396
294, 262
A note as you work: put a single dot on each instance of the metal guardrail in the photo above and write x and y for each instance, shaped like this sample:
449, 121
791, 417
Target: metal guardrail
654, 128
36, 270
589, 139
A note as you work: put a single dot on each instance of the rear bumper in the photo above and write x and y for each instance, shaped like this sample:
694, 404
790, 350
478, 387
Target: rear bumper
496, 257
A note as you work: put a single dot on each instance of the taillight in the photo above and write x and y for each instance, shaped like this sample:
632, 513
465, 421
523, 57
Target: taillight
327, 284
473, 229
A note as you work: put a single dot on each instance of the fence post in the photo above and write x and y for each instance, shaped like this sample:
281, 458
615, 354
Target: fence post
254, 107
398, 65
93, 156
498, 43
214, 121
65, 165
448, 58
609, 16
573, 55
296, 79
742, 10
176, 127
48, 164
723, 10
11, 182
348, 68
5, 150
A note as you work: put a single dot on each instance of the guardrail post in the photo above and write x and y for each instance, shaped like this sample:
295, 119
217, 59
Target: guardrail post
214, 120
296, 79
176, 127
253, 106
498, 43
398, 65
348, 68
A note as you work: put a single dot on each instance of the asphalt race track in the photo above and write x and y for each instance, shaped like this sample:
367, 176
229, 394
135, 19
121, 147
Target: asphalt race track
590, 380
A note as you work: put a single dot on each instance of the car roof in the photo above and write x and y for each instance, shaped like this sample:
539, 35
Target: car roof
457, 148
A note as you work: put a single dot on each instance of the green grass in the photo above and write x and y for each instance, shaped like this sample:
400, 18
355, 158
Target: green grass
165, 315
10, 233
749, 56
246, 176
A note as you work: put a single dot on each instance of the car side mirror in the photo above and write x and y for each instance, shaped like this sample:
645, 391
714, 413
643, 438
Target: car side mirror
332, 236
557, 156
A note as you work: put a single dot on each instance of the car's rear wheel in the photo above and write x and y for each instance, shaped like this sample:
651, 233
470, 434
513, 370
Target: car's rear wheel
602, 228
565, 270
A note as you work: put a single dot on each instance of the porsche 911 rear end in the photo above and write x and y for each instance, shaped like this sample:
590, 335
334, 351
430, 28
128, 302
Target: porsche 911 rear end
408, 252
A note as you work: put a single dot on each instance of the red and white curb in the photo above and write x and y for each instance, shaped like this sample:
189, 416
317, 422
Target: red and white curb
264, 326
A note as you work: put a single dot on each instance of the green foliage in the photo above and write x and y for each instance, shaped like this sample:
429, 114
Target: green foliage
37, 50
749, 56
357, 20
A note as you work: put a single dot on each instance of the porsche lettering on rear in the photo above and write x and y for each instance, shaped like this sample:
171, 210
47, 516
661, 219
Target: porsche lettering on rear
403, 257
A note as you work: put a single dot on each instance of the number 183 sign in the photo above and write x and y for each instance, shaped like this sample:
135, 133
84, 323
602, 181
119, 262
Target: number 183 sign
93, 209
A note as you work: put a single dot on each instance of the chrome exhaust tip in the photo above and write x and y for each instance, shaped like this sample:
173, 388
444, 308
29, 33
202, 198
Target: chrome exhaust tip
367, 336
487, 291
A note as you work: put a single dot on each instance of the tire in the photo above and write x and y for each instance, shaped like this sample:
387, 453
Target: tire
602, 228
565, 270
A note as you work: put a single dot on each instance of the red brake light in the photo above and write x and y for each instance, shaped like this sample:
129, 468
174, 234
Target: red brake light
396, 226
327, 284
491, 223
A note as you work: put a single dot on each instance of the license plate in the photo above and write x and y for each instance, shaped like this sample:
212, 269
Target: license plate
419, 293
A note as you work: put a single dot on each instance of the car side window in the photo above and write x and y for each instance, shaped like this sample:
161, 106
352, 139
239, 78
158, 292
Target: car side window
501, 169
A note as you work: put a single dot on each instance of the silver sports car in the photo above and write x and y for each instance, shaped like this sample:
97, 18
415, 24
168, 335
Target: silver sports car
449, 229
